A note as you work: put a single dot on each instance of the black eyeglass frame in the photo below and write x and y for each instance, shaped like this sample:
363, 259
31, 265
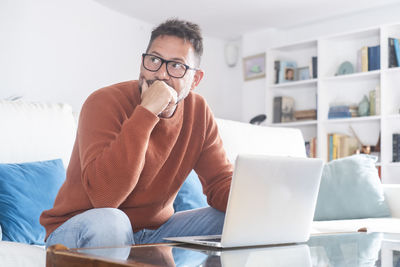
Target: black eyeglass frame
166, 63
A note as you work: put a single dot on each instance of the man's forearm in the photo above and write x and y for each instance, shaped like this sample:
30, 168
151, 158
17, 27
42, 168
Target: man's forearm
111, 165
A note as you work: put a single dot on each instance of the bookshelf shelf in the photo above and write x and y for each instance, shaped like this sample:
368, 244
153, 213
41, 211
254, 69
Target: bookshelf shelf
296, 123
392, 70
329, 90
358, 75
394, 116
295, 84
351, 120
393, 164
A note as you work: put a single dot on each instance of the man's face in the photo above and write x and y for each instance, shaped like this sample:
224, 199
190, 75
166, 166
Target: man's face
176, 49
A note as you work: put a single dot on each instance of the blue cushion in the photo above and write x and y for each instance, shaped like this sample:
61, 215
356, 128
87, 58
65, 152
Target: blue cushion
190, 196
351, 189
25, 191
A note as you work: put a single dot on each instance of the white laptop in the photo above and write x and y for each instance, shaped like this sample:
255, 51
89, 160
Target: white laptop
272, 201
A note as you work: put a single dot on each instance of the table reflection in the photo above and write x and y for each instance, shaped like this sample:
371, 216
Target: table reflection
354, 249
357, 249
280, 256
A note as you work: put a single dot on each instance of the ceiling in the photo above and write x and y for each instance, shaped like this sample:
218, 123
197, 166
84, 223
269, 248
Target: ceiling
229, 19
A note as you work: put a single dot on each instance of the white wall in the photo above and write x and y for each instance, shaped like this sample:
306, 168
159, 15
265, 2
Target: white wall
221, 85
61, 51
253, 91
259, 41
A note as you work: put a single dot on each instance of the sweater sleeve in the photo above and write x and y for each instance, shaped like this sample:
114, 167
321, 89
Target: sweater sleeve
112, 149
213, 168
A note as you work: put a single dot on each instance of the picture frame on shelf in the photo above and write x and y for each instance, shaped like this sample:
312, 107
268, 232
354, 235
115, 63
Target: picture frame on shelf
254, 67
302, 73
287, 71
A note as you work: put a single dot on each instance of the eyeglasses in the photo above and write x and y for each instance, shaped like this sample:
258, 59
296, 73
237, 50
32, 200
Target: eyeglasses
174, 69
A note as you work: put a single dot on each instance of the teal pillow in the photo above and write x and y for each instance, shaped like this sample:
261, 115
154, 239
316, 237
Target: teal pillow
26, 190
190, 195
351, 189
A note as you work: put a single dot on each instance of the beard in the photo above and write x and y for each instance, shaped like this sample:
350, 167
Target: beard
150, 82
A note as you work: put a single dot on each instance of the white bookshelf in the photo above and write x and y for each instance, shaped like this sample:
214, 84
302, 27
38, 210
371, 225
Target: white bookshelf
328, 89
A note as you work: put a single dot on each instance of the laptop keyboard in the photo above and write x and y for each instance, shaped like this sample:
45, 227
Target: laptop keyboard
210, 239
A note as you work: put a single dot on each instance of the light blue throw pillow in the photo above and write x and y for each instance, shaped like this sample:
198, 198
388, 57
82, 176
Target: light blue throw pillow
190, 196
26, 190
351, 189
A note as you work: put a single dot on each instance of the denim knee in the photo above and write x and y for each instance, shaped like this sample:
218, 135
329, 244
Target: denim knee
105, 227
100, 227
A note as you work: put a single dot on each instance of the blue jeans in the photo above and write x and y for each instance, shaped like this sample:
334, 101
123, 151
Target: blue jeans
109, 227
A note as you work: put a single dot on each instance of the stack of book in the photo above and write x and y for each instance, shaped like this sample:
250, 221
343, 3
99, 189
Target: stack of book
394, 52
396, 147
341, 145
311, 148
369, 58
340, 111
309, 114
283, 109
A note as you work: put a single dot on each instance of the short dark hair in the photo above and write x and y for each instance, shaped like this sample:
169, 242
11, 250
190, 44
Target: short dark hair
185, 30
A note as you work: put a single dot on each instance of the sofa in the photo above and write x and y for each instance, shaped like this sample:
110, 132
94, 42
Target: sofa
34, 132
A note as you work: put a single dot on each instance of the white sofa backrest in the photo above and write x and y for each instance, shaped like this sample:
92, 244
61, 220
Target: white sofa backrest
245, 138
35, 131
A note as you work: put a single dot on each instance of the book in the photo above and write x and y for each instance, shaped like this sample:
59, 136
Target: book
287, 110
392, 54
334, 146
359, 61
364, 59
353, 110
277, 112
308, 148
396, 147
287, 71
397, 51
374, 58
379, 171
277, 66
341, 145
340, 111
348, 146
330, 147
314, 67
311, 147
309, 114
372, 102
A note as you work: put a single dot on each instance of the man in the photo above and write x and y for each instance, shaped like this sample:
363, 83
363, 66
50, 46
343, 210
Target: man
136, 143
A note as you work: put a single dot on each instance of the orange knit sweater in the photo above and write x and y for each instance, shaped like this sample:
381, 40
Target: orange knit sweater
126, 157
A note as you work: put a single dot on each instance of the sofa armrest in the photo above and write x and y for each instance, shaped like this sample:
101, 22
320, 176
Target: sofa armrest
392, 196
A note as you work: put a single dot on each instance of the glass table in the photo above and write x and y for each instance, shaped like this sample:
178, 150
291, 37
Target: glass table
345, 249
